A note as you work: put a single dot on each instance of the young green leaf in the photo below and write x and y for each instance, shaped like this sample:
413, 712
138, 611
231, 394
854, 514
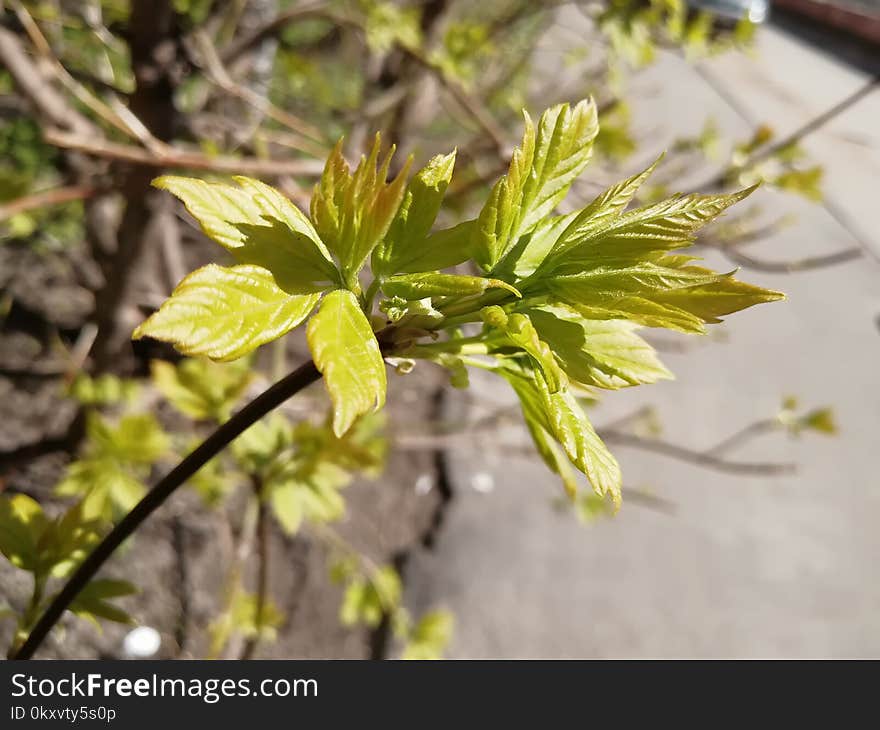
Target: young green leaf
33, 542
346, 352
520, 332
135, 439
263, 444
540, 174
644, 279
430, 636
406, 236
200, 388
603, 353
524, 258
667, 225
244, 617
93, 601
561, 416
368, 598
104, 389
712, 301
420, 286
106, 478
108, 489
440, 250
316, 499
352, 212
225, 313
553, 456
609, 204
22, 524
640, 310
259, 226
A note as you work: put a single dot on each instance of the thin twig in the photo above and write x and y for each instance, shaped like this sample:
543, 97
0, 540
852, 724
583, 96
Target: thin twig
49, 102
120, 117
273, 27
786, 267
218, 75
698, 458
178, 158
753, 430
811, 126
46, 198
262, 587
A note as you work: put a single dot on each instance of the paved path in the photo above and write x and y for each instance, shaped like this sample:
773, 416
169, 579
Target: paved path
746, 566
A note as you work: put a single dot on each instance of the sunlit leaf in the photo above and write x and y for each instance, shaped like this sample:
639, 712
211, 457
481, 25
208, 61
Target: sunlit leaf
404, 246
429, 638
259, 226
541, 171
352, 212
346, 352
225, 313
561, 416
603, 353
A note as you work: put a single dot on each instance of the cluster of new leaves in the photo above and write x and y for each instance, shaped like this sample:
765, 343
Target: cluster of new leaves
784, 168
109, 477
247, 617
636, 29
302, 468
373, 595
554, 308
299, 468
50, 547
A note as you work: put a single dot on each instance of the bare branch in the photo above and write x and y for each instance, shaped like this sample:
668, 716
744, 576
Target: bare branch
804, 131
54, 196
115, 114
790, 266
744, 435
49, 103
274, 26
699, 458
177, 158
219, 76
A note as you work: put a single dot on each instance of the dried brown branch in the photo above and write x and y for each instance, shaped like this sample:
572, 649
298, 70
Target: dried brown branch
115, 113
238, 48
218, 75
177, 158
46, 198
33, 85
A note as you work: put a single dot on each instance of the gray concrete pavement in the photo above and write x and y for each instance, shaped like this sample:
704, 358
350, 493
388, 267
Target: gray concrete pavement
747, 566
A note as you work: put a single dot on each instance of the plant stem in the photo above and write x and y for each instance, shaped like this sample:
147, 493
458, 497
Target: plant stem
262, 588
271, 398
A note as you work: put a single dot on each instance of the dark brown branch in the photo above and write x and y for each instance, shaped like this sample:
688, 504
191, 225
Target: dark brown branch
156, 497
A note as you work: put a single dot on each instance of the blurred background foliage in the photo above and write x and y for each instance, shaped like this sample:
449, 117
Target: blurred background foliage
97, 97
